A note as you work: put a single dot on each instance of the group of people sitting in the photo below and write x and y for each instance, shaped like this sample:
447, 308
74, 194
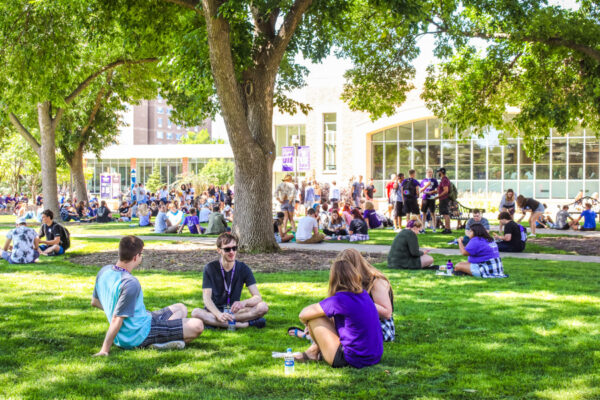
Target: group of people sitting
347, 328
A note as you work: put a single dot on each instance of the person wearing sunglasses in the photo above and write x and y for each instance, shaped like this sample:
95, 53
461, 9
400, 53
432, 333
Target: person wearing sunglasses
119, 294
222, 286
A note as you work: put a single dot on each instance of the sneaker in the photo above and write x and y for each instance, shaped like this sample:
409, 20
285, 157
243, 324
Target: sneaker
531, 235
446, 231
174, 345
422, 231
258, 323
397, 230
455, 241
433, 230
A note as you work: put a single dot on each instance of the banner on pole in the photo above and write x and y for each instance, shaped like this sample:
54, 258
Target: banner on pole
287, 158
304, 158
105, 186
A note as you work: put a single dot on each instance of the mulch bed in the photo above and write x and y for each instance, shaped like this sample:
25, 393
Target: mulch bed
187, 256
584, 246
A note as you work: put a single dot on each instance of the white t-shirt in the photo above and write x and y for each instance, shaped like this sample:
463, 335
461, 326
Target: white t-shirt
305, 229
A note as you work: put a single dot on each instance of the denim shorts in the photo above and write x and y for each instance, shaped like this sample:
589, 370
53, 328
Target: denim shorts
287, 206
540, 208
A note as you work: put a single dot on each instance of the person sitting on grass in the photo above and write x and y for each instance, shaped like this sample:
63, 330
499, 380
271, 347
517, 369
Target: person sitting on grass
405, 253
162, 221
144, 214
476, 219
175, 216
282, 234
371, 217
217, 223
337, 226
25, 243
513, 238
308, 229
358, 229
191, 221
222, 285
125, 212
204, 212
57, 237
119, 294
103, 214
345, 326
589, 219
564, 221
484, 259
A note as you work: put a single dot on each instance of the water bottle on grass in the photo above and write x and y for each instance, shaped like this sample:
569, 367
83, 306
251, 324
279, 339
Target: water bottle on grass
288, 361
449, 268
230, 324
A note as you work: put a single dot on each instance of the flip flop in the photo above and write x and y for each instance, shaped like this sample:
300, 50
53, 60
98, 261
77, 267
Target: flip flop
296, 331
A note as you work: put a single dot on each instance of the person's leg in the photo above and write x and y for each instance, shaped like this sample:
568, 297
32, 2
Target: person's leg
172, 229
51, 249
463, 266
290, 216
426, 260
209, 319
249, 313
535, 215
447, 221
287, 238
192, 328
326, 341
179, 311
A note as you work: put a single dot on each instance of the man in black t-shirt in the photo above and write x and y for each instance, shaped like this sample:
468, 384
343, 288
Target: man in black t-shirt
512, 240
57, 237
222, 286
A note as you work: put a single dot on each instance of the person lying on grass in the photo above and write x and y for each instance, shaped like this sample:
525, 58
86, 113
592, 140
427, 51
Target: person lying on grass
222, 286
484, 259
377, 286
119, 294
345, 326
405, 252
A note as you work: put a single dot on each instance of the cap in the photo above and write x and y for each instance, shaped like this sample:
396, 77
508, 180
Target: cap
441, 170
20, 221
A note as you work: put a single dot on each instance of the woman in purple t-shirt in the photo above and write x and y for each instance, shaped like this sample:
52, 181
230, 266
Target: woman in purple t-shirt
354, 337
484, 259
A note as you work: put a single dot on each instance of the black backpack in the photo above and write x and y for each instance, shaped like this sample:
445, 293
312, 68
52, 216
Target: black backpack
65, 237
409, 189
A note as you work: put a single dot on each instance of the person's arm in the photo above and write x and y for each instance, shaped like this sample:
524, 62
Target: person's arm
311, 312
113, 329
36, 243
52, 242
251, 302
381, 298
180, 229
461, 247
6, 244
197, 228
210, 306
505, 238
316, 228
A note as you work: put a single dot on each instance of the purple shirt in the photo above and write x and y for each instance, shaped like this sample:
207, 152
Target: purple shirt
357, 323
431, 188
374, 221
481, 250
191, 221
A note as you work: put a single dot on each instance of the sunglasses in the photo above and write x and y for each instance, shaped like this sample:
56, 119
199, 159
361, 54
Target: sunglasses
228, 249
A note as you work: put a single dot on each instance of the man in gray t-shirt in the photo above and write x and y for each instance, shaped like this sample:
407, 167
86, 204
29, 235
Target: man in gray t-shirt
25, 243
477, 219
562, 218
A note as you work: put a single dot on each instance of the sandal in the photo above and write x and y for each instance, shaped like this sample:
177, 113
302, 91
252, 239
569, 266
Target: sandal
296, 331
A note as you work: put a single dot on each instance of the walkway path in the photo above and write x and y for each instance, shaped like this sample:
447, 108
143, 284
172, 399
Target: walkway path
209, 243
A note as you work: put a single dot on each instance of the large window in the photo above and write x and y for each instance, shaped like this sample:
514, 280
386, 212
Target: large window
329, 142
284, 134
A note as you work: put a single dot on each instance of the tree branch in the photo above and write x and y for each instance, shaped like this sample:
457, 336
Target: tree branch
35, 145
94, 111
287, 29
189, 4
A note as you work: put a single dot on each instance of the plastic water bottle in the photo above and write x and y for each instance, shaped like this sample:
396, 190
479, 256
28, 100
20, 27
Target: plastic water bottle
449, 268
230, 324
288, 361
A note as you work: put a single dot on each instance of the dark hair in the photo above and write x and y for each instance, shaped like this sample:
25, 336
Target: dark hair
48, 213
356, 214
476, 211
310, 211
129, 247
521, 200
504, 215
479, 231
226, 237
280, 215
411, 171
192, 211
324, 206
216, 208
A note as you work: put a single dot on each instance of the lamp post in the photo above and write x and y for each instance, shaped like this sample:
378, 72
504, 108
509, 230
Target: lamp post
296, 143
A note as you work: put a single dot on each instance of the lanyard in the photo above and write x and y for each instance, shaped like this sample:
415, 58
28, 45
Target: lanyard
227, 287
120, 269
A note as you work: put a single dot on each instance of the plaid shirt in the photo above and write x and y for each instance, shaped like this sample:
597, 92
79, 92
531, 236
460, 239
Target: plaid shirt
491, 268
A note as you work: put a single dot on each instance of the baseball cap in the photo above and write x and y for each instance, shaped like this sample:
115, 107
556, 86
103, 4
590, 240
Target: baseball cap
20, 221
441, 170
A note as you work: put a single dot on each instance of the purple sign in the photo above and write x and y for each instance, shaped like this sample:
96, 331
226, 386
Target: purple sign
105, 186
304, 158
287, 160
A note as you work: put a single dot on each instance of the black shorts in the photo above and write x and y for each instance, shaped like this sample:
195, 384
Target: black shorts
163, 329
399, 209
339, 361
428, 205
411, 206
445, 206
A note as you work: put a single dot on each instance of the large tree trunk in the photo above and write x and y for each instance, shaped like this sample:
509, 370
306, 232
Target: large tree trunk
48, 158
77, 172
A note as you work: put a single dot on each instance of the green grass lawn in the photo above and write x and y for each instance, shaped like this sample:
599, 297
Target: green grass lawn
533, 335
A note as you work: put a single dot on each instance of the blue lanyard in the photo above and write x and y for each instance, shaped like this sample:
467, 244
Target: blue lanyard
227, 287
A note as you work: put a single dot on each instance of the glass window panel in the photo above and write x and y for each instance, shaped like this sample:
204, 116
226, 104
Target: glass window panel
526, 164
380, 188
527, 171
405, 132
592, 153
435, 129
510, 160
576, 171
479, 187
404, 162
377, 137
391, 159
577, 132
495, 172
463, 186
495, 186
420, 155
559, 189
526, 189
464, 161
420, 130
542, 171
494, 162
559, 151
479, 159
449, 158
302, 133
377, 155
590, 133
542, 190
575, 151
591, 171
329, 117
434, 154
511, 185
391, 135
574, 188
591, 187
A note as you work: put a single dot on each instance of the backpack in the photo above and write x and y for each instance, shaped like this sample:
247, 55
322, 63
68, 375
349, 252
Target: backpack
523, 233
409, 189
65, 237
452, 192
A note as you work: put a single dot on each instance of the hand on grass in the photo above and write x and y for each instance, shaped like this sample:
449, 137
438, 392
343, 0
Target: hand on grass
101, 353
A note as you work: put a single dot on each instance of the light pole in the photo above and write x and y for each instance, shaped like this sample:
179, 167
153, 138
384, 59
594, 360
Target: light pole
296, 143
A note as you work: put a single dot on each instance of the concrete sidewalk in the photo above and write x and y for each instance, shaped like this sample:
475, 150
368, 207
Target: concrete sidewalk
210, 242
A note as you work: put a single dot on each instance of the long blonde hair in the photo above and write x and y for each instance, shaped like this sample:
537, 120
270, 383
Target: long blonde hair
143, 210
368, 273
344, 277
